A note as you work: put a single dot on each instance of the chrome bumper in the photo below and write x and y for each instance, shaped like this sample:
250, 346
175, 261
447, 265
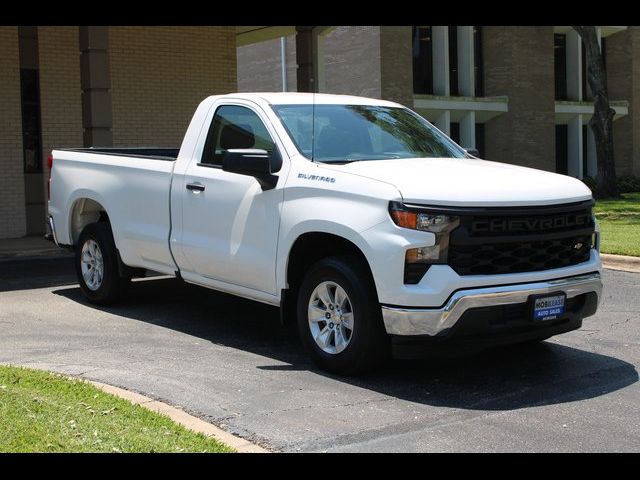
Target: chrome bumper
431, 321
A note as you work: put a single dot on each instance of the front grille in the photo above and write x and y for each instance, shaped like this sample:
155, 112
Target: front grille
506, 240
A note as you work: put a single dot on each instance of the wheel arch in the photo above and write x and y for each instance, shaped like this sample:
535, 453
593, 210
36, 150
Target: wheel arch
307, 249
84, 211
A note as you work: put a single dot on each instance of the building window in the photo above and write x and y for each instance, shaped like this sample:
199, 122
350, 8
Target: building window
454, 133
422, 60
31, 130
480, 139
478, 69
560, 65
562, 151
453, 61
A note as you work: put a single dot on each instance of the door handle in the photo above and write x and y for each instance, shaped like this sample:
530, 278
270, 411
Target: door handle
195, 187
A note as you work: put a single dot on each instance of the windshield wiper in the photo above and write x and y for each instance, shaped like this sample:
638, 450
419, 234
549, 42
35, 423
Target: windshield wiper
339, 162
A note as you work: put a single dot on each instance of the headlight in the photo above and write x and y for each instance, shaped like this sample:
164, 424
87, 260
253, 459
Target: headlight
418, 260
416, 219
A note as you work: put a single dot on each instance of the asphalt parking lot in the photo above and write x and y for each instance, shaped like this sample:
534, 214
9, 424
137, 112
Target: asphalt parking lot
229, 361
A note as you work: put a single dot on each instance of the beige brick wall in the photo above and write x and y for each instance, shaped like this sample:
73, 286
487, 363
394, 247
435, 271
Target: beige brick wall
352, 61
12, 210
60, 92
518, 62
396, 64
160, 74
260, 66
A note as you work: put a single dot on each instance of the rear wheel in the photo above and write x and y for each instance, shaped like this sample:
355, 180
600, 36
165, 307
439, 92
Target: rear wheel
97, 265
339, 317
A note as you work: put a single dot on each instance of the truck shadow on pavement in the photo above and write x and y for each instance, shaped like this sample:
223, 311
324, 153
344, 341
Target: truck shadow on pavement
504, 378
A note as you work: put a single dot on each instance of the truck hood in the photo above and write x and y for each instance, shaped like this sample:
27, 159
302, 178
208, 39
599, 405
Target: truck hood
470, 182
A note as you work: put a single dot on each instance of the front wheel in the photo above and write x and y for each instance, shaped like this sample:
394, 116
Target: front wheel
97, 265
339, 317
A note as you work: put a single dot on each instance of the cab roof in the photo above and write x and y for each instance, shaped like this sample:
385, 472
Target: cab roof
302, 98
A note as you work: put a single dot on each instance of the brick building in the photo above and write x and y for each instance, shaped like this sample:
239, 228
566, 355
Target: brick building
517, 94
97, 86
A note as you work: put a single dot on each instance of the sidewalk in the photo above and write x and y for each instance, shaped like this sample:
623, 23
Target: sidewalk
30, 247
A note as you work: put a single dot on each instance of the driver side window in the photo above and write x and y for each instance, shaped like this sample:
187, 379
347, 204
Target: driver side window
236, 127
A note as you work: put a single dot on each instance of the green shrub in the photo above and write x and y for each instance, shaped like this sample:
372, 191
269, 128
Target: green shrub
590, 182
628, 184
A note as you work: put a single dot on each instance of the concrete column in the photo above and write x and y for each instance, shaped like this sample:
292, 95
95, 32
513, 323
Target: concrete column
592, 155
443, 122
95, 81
574, 66
440, 45
466, 77
468, 130
574, 147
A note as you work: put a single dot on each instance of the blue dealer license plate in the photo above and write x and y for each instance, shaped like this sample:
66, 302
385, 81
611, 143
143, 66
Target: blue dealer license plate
548, 307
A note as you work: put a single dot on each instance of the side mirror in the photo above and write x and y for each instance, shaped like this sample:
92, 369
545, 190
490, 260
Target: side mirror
473, 152
252, 162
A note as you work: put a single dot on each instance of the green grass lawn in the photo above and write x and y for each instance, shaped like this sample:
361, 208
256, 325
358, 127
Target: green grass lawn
619, 222
46, 412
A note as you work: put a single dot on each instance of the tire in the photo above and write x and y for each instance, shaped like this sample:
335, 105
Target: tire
346, 351
95, 242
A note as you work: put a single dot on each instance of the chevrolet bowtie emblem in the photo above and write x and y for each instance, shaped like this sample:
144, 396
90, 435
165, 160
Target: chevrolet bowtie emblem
578, 246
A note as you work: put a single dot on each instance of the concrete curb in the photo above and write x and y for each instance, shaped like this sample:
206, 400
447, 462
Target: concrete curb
620, 262
183, 418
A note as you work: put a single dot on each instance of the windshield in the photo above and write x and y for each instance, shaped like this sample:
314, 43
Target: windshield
343, 133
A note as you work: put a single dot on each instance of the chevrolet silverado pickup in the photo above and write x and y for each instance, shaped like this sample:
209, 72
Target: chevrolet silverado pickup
363, 222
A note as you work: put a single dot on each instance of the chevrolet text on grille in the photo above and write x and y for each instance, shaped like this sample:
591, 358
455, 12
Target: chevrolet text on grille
531, 224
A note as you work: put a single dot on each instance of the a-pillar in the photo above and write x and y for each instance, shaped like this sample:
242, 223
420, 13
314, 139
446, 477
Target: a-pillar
95, 81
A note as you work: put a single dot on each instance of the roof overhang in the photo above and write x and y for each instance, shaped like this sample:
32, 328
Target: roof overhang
485, 108
246, 35
568, 110
604, 30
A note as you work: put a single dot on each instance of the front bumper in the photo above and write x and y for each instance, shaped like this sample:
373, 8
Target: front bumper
410, 321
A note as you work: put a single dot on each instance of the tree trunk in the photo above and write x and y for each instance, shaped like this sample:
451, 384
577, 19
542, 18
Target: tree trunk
602, 120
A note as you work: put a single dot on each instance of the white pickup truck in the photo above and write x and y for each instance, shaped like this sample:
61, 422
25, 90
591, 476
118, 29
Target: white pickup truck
363, 222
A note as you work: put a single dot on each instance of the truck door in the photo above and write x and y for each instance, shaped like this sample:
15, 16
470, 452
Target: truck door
229, 228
